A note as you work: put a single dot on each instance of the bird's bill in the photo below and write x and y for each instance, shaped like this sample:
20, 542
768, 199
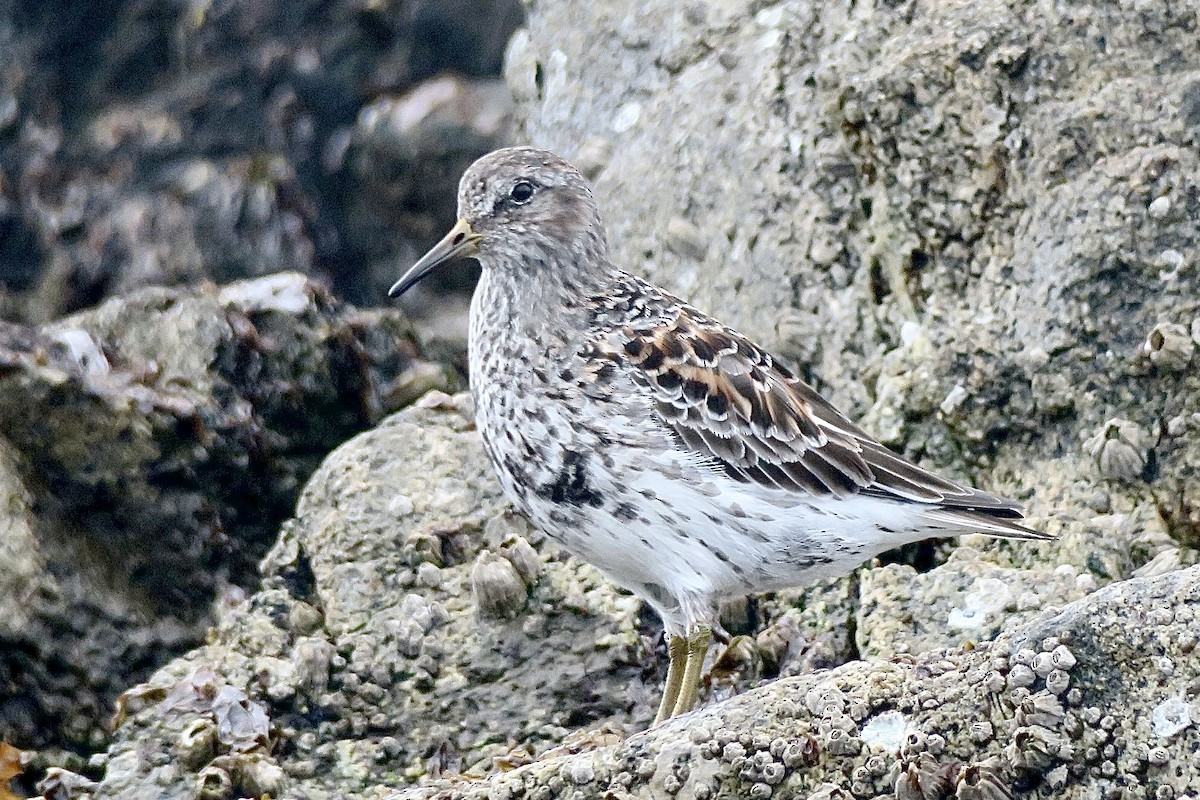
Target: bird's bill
460, 242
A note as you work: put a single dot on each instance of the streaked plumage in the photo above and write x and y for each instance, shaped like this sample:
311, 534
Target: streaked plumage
658, 444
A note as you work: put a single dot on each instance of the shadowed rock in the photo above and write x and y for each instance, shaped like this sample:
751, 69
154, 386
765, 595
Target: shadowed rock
150, 449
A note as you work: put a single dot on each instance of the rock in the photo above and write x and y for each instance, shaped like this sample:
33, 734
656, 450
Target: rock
405, 155
151, 143
968, 599
967, 221
413, 679
399, 676
148, 451
821, 735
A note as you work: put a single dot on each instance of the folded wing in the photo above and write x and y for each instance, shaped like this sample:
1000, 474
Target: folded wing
727, 400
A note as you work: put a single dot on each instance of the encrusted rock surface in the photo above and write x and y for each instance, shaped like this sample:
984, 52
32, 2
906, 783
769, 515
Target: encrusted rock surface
410, 630
973, 224
1076, 704
149, 449
378, 647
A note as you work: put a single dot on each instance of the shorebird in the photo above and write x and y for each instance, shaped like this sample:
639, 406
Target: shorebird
680, 458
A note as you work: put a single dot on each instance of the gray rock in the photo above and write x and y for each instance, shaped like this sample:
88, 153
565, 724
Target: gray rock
879, 729
370, 620
149, 450
368, 648
151, 143
405, 154
968, 599
967, 222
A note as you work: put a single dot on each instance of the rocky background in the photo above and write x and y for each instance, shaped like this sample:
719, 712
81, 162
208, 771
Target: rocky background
156, 430
974, 226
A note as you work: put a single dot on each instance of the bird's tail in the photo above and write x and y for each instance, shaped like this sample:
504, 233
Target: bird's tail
959, 521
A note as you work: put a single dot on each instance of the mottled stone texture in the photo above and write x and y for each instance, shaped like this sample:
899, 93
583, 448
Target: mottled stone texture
1076, 704
969, 223
974, 225
377, 645
409, 628
149, 450
154, 142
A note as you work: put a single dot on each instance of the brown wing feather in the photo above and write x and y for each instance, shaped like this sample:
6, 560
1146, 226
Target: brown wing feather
727, 400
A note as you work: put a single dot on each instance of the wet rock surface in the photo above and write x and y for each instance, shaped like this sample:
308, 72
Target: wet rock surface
150, 449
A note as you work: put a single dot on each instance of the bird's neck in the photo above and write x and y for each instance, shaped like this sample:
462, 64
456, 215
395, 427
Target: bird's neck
541, 293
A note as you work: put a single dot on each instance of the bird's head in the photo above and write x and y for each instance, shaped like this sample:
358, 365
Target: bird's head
523, 210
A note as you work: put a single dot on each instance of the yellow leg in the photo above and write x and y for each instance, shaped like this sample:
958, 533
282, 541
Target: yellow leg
677, 652
697, 649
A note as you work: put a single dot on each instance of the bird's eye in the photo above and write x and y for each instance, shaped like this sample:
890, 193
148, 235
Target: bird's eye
521, 192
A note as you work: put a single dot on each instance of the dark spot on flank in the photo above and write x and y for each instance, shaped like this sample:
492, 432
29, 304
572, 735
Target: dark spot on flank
634, 347
720, 554
570, 486
655, 593
626, 512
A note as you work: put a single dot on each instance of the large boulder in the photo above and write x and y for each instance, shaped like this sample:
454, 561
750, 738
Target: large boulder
973, 227
973, 224
148, 142
149, 450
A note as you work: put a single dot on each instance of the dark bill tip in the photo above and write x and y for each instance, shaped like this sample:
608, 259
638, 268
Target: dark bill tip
460, 242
